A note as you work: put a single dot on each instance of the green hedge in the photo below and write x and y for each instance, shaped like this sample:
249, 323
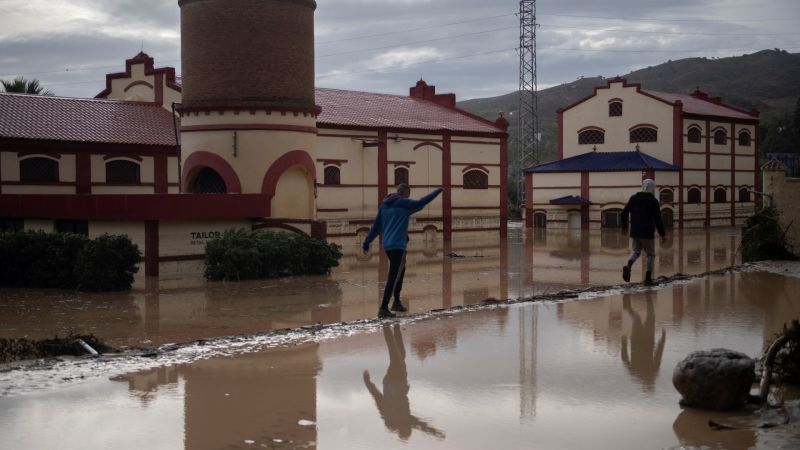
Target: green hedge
242, 254
36, 259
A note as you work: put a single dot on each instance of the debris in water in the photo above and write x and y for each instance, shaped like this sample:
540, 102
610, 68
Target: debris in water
306, 423
249, 441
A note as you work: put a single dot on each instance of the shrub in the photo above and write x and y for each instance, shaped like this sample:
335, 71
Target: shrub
242, 254
763, 238
37, 259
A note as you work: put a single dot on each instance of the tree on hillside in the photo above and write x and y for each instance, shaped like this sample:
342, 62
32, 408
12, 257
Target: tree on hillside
20, 85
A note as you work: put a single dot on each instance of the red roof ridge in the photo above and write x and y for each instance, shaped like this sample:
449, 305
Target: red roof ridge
78, 99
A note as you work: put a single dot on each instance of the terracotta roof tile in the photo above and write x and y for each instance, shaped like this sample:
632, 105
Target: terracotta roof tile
84, 120
366, 109
694, 105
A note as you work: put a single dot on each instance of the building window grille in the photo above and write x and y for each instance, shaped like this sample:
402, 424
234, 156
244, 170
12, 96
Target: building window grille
611, 218
73, 226
476, 179
693, 195
592, 136
744, 195
122, 172
615, 109
208, 181
332, 175
38, 169
666, 196
720, 195
400, 175
644, 134
693, 135
744, 139
720, 138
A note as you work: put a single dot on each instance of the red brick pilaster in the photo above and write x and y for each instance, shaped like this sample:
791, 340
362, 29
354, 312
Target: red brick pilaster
447, 195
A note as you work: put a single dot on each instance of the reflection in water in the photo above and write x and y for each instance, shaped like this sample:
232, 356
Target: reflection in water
392, 403
644, 360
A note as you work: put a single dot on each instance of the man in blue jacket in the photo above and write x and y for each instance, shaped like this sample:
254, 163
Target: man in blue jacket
392, 224
645, 213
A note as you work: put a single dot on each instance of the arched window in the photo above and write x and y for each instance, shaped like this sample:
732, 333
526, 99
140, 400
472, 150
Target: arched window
720, 195
744, 138
121, 171
38, 169
400, 175
332, 175
591, 136
666, 196
744, 194
208, 181
615, 109
693, 195
611, 218
693, 135
644, 134
720, 137
476, 179
540, 220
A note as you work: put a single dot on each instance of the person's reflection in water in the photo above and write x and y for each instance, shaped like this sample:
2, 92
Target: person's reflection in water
393, 402
644, 360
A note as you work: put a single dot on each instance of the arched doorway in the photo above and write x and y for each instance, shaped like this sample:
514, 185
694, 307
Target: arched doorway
667, 217
294, 195
540, 220
207, 181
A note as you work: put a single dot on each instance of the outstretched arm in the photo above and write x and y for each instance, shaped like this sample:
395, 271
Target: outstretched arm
423, 426
373, 232
417, 205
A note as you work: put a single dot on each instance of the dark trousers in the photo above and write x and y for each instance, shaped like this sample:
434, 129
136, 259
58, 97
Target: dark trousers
394, 282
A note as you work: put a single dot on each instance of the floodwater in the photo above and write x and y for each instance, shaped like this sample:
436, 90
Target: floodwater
181, 306
588, 373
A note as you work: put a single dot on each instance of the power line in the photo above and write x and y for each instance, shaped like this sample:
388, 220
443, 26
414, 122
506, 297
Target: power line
777, 19
680, 33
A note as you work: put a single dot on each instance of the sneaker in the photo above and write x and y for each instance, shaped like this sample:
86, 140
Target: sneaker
399, 307
626, 273
384, 313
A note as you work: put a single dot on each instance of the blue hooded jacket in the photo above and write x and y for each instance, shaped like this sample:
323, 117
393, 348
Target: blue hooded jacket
392, 220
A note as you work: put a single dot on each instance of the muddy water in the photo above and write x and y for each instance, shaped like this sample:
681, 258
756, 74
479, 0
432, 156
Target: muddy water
180, 306
584, 374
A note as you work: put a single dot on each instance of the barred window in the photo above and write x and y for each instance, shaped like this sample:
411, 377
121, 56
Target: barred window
122, 171
720, 195
666, 196
400, 175
611, 218
592, 136
38, 169
744, 139
693, 135
332, 175
615, 109
73, 226
476, 179
720, 137
208, 181
693, 195
644, 134
744, 195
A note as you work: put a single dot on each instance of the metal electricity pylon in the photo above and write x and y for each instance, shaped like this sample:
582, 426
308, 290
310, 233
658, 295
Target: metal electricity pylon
528, 116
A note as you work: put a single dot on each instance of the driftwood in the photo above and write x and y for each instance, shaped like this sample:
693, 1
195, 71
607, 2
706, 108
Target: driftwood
769, 360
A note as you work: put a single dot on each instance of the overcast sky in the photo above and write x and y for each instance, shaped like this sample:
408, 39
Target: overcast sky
464, 46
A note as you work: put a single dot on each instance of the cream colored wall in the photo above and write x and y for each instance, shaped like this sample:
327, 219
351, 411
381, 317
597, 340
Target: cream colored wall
786, 195
636, 109
294, 195
176, 238
9, 166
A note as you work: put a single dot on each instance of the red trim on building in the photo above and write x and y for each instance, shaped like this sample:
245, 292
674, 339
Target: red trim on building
585, 194
257, 106
677, 154
708, 173
83, 173
332, 162
478, 134
643, 125
383, 176
402, 163
151, 248
560, 136
137, 83
733, 175
432, 144
591, 127
281, 165
198, 160
447, 195
757, 156
475, 166
52, 155
714, 118
47, 147
131, 156
454, 141
248, 127
474, 207
141, 58
503, 193
529, 199
160, 174
332, 210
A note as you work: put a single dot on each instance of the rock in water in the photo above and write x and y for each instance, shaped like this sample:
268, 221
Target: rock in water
717, 379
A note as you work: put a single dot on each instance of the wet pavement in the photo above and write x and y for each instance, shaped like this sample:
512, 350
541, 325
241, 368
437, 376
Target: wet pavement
588, 373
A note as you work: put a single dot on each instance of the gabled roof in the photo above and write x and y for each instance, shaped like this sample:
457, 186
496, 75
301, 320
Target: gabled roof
702, 104
84, 120
604, 162
342, 108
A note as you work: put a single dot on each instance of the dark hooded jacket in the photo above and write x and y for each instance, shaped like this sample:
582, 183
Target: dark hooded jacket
645, 215
392, 219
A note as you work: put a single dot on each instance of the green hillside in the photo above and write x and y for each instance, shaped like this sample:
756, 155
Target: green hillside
768, 80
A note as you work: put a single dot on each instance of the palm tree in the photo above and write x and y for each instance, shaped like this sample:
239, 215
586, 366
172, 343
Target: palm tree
22, 86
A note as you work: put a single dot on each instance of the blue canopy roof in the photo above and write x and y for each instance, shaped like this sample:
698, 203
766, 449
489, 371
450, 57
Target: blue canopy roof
604, 162
570, 200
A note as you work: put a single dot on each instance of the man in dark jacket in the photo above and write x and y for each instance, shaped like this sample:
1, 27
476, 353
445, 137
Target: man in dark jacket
392, 224
645, 215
